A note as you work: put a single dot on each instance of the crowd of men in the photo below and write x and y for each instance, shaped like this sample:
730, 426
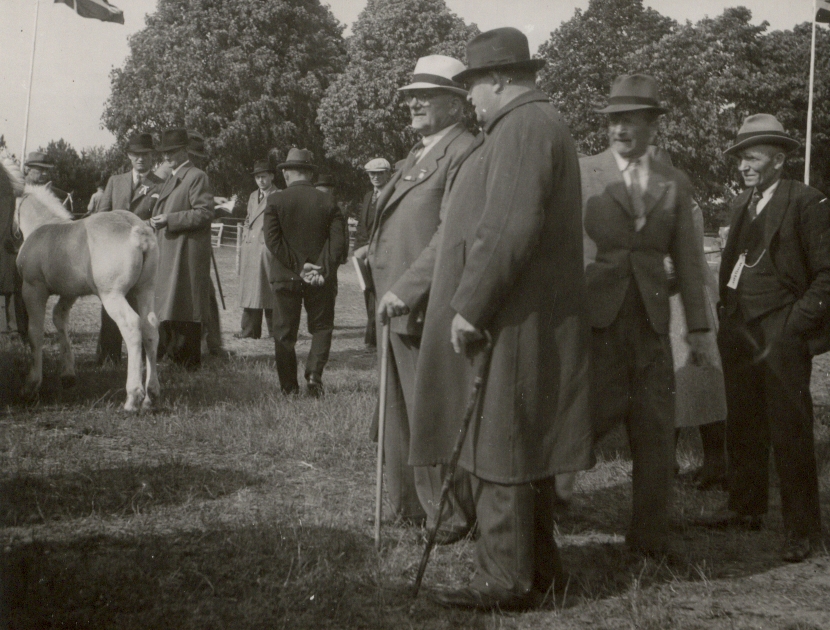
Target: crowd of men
575, 272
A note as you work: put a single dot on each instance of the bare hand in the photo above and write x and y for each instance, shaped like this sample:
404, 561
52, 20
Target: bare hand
311, 275
463, 333
361, 252
697, 348
390, 306
158, 222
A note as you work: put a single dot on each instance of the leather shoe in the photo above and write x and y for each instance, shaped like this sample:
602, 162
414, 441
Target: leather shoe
725, 518
796, 549
315, 387
478, 600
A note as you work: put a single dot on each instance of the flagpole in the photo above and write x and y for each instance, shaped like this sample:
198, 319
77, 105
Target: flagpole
29, 89
808, 143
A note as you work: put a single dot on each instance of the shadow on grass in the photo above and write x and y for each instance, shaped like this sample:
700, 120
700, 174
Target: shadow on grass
265, 576
29, 499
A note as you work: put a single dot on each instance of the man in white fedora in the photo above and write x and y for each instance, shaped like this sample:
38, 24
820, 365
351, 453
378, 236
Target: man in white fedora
774, 298
401, 256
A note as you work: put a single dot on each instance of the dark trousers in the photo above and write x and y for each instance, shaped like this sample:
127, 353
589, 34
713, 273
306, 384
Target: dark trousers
319, 308
21, 315
767, 377
251, 325
212, 327
633, 383
516, 552
370, 337
415, 491
181, 342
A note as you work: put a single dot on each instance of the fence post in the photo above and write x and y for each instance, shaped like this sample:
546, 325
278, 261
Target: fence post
238, 247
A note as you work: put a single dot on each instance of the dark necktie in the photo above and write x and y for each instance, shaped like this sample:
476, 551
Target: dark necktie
635, 191
752, 208
261, 195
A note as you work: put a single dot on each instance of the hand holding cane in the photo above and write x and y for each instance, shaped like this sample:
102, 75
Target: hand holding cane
384, 374
456, 453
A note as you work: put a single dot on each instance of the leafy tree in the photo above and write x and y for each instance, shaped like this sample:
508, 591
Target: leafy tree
248, 75
587, 52
362, 115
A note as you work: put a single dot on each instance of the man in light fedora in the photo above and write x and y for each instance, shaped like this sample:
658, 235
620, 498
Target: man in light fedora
401, 257
775, 294
304, 233
182, 216
508, 265
255, 295
130, 191
38, 168
379, 171
636, 211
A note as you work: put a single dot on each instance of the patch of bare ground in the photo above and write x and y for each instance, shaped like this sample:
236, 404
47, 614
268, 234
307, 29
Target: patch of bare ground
233, 507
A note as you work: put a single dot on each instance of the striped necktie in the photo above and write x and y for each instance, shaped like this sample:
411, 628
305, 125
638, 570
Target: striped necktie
635, 192
752, 208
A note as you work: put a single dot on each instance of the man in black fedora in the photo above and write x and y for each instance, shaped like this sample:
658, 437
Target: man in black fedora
182, 216
638, 210
304, 233
255, 294
775, 293
131, 191
509, 265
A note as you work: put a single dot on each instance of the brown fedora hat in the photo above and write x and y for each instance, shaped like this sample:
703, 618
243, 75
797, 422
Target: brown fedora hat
633, 92
762, 129
140, 143
172, 139
39, 159
299, 159
500, 49
262, 166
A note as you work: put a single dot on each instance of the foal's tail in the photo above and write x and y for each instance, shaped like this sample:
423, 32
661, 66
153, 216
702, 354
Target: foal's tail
144, 239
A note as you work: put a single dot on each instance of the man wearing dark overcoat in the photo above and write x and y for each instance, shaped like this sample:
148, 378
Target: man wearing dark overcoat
774, 298
638, 210
182, 216
304, 233
379, 171
131, 191
402, 261
255, 295
509, 264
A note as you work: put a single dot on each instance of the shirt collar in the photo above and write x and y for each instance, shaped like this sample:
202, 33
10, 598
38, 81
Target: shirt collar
178, 168
765, 195
430, 141
623, 163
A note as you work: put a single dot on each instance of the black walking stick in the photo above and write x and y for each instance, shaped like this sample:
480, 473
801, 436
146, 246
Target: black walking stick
218, 281
456, 453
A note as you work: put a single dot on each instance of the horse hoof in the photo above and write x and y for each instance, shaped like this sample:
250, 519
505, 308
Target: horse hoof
69, 381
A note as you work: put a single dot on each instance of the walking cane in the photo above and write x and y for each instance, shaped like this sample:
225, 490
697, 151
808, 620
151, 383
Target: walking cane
456, 453
218, 281
384, 375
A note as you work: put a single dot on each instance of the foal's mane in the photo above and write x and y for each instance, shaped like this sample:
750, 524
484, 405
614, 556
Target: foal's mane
45, 201
12, 170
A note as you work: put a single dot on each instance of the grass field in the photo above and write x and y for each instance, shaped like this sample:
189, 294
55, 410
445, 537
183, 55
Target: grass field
233, 507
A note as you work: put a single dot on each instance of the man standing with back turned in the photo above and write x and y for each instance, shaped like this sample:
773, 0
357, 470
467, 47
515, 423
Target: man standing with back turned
509, 264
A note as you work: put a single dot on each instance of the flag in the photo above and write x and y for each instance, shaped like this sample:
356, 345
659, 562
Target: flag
96, 9
822, 12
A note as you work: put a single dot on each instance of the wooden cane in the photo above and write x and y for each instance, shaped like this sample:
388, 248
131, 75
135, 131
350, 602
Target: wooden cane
384, 376
218, 281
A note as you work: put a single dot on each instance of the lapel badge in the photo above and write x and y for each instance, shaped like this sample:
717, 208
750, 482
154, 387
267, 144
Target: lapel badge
422, 174
408, 178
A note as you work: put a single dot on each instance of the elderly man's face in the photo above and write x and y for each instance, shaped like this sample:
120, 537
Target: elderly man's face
431, 110
379, 178
264, 180
629, 133
141, 161
37, 176
484, 97
761, 165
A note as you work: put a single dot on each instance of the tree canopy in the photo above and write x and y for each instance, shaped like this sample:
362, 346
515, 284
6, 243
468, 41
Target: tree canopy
248, 75
362, 115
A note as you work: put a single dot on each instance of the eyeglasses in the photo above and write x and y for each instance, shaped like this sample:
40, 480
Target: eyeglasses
424, 97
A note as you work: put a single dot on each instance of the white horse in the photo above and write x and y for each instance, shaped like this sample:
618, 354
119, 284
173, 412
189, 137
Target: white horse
113, 255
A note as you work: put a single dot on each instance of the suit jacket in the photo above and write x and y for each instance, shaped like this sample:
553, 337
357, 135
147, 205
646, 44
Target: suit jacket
365, 221
183, 283
119, 194
616, 254
302, 224
405, 237
797, 239
510, 261
255, 259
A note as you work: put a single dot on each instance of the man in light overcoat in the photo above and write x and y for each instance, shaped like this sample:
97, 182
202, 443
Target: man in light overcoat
509, 264
401, 257
182, 216
255, 294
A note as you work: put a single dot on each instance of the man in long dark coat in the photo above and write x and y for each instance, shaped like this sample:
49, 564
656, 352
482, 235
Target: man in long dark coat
304, 233
131, 191
775, 297
182, 215
510, 264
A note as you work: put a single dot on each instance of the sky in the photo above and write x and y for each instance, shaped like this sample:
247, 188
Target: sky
74, 56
